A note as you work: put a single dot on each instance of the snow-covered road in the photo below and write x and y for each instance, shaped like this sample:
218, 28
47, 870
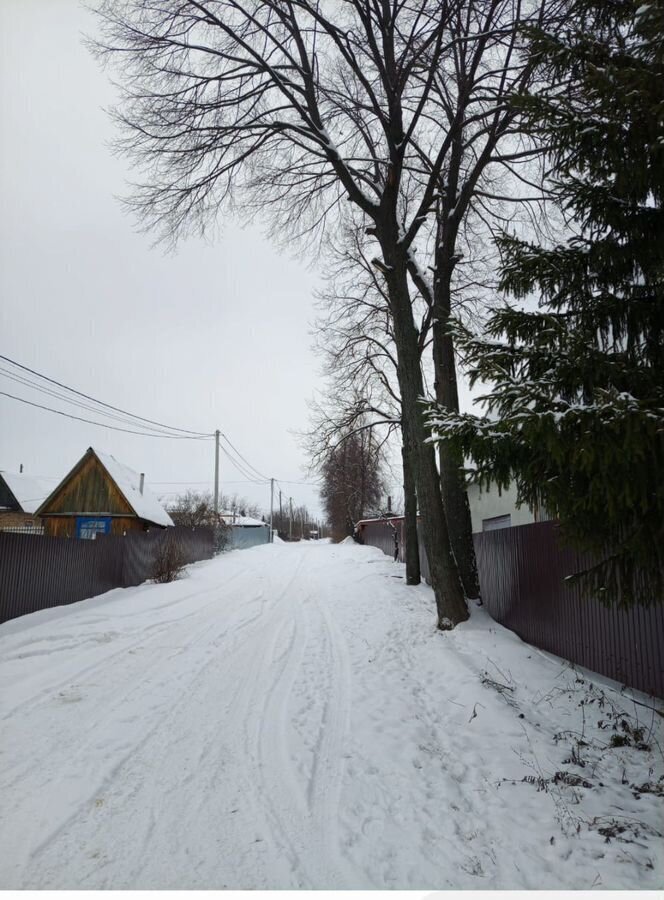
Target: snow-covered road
288, 717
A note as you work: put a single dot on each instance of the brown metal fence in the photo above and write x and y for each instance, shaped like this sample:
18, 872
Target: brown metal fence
38, 572
380, 533
522, 572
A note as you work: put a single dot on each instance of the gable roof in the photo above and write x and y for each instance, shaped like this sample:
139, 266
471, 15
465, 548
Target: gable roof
28, 492
145, 505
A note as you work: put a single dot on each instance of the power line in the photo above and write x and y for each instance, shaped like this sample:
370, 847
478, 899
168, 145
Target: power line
241, 469
260, 474
20, 379
181, 482
243, 481
244, 467
59, 412
310, 483
100, 402
77, 403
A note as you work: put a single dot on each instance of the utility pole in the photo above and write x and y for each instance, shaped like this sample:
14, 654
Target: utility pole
290, 520
216, 471
271, 505
281, 515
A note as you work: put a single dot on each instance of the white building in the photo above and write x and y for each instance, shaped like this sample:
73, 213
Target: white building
490, 510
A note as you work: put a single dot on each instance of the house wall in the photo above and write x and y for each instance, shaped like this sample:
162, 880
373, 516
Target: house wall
14, 519
65, 525
490, 504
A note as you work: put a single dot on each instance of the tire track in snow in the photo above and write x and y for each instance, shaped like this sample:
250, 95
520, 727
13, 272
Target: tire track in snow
211, 725
303, 815
241, 707
56, 786
261, 696
153, 631
203, 715
150, 634
135, 690
325, 783
266, 741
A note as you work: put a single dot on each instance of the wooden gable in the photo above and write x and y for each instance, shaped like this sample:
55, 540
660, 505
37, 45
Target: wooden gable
87, 489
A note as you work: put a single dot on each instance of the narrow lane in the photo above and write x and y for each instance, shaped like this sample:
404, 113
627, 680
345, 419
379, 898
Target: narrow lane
288, 717
168, 715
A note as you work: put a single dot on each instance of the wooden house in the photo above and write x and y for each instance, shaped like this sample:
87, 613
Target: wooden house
20, 497
101, 495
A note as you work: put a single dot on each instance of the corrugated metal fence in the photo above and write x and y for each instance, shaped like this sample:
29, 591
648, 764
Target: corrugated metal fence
37, 572
522, 571
242, 538
381, 534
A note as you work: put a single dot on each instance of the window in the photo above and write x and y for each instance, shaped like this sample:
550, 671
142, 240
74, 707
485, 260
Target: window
496, 522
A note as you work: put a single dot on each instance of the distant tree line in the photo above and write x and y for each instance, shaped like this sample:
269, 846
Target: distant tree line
300, 525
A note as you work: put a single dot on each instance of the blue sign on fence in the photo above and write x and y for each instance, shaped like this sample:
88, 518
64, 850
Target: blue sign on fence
88, 527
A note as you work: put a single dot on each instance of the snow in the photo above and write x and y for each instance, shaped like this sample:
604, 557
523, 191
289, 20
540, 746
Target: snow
29, 492
145, 504
243, 521
289, 717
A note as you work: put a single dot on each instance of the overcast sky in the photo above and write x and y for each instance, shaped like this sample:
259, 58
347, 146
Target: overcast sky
215, 336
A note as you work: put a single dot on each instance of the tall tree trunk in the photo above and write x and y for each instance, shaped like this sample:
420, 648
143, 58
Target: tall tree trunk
455, 496
413, 575
450, 601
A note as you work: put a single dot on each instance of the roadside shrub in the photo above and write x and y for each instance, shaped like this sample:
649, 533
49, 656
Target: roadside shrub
169, 559
222, 537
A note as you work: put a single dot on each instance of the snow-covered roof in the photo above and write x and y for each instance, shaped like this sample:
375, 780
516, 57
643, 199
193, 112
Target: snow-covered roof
244, 521
145, 505
29, 492
379, 519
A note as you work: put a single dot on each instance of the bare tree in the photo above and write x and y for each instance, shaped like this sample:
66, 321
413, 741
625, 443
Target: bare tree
197, 508
192, 509
292, 108
296, 524
239, 506
355, 340
352, 484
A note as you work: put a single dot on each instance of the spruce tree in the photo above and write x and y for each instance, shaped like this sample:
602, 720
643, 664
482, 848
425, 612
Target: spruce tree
575, 409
